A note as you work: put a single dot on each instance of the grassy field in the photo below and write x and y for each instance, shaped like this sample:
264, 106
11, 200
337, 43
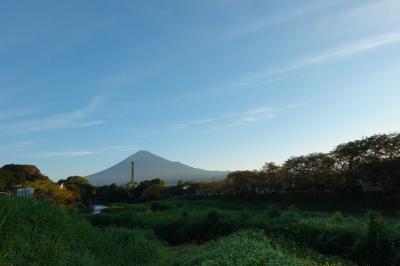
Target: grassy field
201, 232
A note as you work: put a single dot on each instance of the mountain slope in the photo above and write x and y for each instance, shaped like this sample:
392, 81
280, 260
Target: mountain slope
149, 166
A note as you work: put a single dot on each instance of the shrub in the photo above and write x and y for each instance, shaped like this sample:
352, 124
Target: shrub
244, 248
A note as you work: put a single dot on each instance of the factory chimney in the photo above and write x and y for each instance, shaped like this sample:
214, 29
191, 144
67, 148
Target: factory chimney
132, 183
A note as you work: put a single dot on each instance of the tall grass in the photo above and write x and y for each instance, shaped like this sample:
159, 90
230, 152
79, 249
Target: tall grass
38, 233
366, 240
199, 233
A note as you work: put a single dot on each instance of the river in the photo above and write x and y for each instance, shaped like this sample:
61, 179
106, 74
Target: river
97, 208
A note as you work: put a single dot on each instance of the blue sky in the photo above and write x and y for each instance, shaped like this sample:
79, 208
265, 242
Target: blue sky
226, 84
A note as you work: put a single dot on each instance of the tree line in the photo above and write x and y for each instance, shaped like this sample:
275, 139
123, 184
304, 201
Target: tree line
72, 190
372, 160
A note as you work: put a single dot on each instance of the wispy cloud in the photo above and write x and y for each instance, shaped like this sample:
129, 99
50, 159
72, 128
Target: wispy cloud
237, 119
342, 52
74, 119
83, 152
25, 143
18, 145
256, 25
245, 118
89, 124
197, 122
373, 13
355, 48
259, 78
52, 154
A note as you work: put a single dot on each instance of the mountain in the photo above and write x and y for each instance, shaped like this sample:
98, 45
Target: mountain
150, 166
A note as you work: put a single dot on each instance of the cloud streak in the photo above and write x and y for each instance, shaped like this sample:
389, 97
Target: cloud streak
373, 13
73, 119
53, 154
257, 25
244, 118
238, 119
83, 152
342, 52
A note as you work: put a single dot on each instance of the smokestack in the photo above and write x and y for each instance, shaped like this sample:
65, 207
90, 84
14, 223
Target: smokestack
132, 183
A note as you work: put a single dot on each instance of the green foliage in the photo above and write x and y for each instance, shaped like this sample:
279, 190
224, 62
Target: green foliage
177, 226
150, 190
247, 248
157, 206
83, 190
12, 175
240, 181
380, 239
374, 160
114, 193
153, 192
52, 191
273, 211
38, 233
358, 239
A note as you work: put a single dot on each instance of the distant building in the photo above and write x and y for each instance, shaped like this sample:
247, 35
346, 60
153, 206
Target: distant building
25, 192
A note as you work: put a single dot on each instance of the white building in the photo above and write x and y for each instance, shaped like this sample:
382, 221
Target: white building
25, 192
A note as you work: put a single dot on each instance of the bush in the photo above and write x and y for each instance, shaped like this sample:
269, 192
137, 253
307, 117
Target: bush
244, 248
378, 247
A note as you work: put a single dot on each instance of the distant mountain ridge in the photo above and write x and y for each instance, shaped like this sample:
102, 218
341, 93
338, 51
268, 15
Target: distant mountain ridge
150, 166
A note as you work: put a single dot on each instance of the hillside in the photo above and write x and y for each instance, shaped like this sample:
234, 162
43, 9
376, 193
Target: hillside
149, 166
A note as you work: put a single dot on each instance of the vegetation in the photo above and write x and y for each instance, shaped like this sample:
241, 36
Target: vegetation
39, 233
374, 160
73, 190
80, 186
53, 192
12, 175
251, 248
368, 240
371, 163
246, 219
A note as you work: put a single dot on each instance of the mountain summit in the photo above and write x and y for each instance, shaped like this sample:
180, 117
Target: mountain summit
149, 166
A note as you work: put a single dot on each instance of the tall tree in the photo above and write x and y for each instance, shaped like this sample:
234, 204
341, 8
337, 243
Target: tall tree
12, 175
311, 172
241, 181
81, 186
272, 178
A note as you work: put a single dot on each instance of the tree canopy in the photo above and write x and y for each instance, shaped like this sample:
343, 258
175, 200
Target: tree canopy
12, 175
